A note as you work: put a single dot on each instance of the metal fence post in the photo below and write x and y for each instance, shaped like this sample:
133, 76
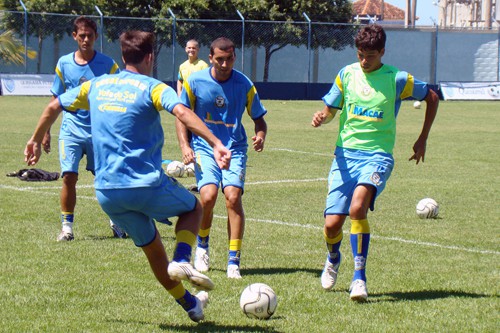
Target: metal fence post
174, 23
242, 41
308, 52
25, 37
102, 26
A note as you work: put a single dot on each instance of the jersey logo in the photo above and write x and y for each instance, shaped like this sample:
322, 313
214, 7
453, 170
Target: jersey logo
220, 102
376, 178
83, 79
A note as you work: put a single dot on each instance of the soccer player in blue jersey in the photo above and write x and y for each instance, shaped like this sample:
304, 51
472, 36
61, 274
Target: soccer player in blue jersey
368, 94
220, 95
130, 184
75, 139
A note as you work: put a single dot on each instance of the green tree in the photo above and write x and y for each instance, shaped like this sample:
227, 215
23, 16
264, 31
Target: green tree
155, 16
290, 27
42, 23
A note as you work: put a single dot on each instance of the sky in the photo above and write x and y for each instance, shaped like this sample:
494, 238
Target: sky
425, 10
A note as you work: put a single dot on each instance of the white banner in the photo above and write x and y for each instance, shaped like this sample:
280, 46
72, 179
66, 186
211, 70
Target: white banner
470, 90
26, 84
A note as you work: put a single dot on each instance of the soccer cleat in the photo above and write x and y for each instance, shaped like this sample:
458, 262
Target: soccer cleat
184, 271
196, 313
358, 290
117, 231
233, 272
201, 259
329, 275
65, 236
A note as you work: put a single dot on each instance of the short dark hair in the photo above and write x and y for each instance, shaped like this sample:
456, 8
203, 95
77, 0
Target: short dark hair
370, 37
135, 45
84, 22
222, 43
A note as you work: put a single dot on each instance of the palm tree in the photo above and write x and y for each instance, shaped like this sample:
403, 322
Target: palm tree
11, 49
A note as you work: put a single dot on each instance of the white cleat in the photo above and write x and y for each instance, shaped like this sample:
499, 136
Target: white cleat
196, 314
201, 259
184, 271
358, 290
329, 275
233, 272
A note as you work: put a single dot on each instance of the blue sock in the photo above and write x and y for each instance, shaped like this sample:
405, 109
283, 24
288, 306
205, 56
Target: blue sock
234, 258
203, 241
360, 241
182, 252
187, 301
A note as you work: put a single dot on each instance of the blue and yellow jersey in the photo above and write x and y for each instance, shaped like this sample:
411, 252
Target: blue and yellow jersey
369, 104
69, 75
126, 130
221, 106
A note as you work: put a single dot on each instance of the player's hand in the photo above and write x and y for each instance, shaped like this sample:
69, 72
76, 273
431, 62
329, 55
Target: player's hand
187, 156
222, 156
32, 152
258, 143
318, 118
419, 150
46, 142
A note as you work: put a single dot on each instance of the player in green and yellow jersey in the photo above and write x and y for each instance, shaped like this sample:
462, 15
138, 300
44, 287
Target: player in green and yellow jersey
368, 94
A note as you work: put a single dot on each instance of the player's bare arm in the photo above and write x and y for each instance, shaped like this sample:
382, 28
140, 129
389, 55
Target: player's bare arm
182, 137
33, 149
323, 117
193, 123
260, 134
47, 137
432, 102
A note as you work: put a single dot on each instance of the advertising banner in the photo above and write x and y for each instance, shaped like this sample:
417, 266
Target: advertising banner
26, 84
470, 90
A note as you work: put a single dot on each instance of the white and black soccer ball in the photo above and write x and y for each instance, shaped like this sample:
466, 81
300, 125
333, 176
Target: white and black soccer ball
190, 170
427, 208
258, 301
417, 104
175, 169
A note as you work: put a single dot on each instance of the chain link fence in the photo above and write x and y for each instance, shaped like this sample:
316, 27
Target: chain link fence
267, 51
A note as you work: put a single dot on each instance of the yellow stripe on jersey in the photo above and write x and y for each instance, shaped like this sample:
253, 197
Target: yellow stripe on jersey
250, 97
81, 101
191, 96
338, 82
156, 96
59, 74
408, 89
114, 69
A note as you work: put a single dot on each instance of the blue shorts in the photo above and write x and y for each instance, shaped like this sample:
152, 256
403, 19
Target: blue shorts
351, 168
133, 209
208, 172
71, 153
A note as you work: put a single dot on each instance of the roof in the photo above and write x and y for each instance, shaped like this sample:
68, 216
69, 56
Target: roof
374, 7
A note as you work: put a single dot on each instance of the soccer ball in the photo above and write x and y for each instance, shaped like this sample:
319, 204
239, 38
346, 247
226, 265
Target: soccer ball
189, 170
417, 105
427, 208
175, 169
258, 301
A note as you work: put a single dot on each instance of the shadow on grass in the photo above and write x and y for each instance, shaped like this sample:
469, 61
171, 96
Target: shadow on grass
274, 270
422, 295
208, 326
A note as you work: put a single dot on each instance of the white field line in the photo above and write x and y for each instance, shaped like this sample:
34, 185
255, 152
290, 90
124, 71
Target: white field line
34, 189
299, 152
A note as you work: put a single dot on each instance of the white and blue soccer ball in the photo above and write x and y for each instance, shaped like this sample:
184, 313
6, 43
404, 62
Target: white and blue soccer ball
175, 169
417, 104
427, 208
258, 301
189, 170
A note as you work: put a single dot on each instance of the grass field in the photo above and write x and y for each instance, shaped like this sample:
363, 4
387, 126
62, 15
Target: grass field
439, 275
